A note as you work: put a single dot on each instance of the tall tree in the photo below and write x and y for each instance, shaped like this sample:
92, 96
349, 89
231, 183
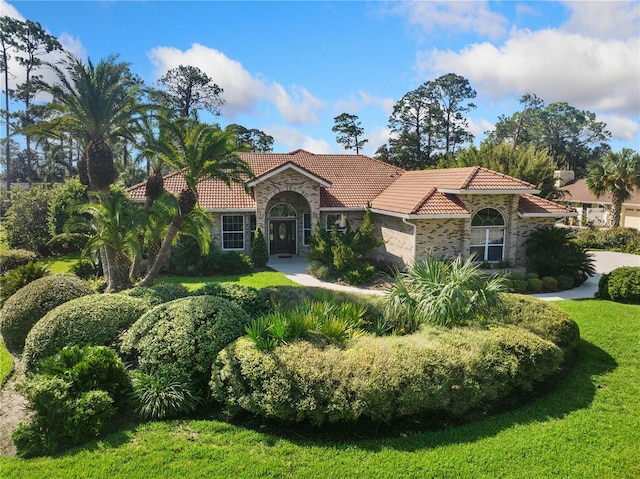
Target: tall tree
199, 152
572, 137
8, 29
187, 89
349, 132
617, 174
31, 43
251, 140
451, 92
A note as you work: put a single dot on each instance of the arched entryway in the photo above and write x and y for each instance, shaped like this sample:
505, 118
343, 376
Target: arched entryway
283, 226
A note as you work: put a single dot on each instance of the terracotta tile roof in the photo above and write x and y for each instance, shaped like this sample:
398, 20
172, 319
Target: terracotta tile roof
531, 205
577, 192
357, 180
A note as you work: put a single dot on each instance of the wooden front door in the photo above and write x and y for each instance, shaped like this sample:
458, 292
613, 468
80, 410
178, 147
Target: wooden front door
282, 236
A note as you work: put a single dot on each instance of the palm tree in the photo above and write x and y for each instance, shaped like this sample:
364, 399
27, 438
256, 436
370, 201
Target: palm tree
200, 152
617, 174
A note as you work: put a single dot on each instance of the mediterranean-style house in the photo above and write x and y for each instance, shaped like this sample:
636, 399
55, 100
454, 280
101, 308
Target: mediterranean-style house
444, 213
594, 210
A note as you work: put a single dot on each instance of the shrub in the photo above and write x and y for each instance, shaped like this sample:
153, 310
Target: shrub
259, 251
25, 220
19, 277
564, 282
520, 285
85, 269
156, 396
73, 400
541, 318
250, 299
233, 262
534, 285
438, 371
319, 270
549, 284
62, 207
29, 304
13, 258
551, 251
621, 285
185, 263
180, 339
444, 292
98, 319
361, 274
529, 276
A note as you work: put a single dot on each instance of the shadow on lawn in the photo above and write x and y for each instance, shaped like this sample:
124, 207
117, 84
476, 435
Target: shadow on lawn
559, 396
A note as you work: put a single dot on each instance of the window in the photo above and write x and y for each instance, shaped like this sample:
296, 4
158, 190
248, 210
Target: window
282, 211
339, 221
232, 232
253, 223
306, 228
487, 235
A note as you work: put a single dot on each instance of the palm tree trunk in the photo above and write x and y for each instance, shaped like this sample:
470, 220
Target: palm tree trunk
616, 210
169, 236
112, 274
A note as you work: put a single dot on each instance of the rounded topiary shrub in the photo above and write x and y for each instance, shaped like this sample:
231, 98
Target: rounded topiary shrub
436, 370
520, 285
565, 282
549, 284
12, 258
180, 339
621, 285
534, 285
30, 303
157, 294
252, 300
97, 320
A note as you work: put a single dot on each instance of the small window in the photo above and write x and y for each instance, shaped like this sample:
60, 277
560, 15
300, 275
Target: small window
253, 224
339, 221
306, 228
233, 232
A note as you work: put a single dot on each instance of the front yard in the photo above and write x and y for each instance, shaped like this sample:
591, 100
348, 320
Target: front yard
584, 427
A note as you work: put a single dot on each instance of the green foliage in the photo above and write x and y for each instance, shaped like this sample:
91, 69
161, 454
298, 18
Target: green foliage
564, 282
73, 400
549, 284
534, 285
19, 277
180, 339
158, 294
319, 270
25, 308
361, 274
85, 269
156, 396
625, 240
10, 259
520, 285
185, 263
62, 207
443, 371
621, 285
24, 220
259, 251
251, 300
444, 292
98, 319
551, 251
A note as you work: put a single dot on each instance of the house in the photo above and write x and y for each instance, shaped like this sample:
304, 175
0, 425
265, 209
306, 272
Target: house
445, 213
594, 210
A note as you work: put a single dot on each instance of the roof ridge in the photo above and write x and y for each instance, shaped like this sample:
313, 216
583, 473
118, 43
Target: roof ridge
472, 175
424, 199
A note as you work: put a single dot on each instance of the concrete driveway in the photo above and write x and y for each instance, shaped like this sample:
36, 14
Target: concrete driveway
295, 268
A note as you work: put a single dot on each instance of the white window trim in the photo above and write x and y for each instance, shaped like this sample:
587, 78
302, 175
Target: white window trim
343, 218
309, 229
485, 245
223, 232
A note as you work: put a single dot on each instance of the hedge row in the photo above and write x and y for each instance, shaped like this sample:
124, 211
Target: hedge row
13, 258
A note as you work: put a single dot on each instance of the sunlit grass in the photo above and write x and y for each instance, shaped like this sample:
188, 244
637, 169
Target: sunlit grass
586, 426
257, 280
6, 363
61, 264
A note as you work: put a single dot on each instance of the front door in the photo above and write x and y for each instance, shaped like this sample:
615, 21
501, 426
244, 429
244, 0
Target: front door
282, 236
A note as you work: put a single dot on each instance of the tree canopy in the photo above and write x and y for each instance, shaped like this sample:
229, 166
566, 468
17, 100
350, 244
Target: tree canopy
349, 131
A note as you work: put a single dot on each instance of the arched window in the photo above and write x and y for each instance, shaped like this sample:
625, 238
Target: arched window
487, 235
282, 210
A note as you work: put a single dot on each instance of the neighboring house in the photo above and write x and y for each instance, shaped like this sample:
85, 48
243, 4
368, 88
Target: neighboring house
445, 213
592, 210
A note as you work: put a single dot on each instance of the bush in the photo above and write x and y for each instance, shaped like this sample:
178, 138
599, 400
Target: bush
520, 285
438, 371
179, 340
72, 401
185, 263
259, 251
98, 320
29, 304
529, 276
13, 258
564, 282
621, 239
621, 285
62, 207
361, 274
85, 269
250, 299
319, 270
549, 284
25, 220
19, 277
156, 396
534, 285
541, 318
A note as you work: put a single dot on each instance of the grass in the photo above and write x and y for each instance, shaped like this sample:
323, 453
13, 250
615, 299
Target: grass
61, 264
585, 427
258, 280
6, 364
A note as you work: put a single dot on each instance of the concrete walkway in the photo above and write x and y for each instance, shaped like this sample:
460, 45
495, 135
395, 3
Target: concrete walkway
295, 268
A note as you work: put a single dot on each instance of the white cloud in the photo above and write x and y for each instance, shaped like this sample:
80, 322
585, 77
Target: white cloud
242, 90
460, 16
619, 19
621, 128
9, 10
293, 139
479, 126
361, 100
586, 72
377, 137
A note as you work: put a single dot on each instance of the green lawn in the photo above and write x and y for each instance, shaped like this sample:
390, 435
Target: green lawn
60, 264
6, 363
586, 427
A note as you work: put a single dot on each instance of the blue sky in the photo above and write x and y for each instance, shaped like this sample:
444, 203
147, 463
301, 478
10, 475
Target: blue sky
288, 68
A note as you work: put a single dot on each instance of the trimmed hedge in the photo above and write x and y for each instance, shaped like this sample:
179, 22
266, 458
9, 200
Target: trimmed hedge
96, 320
252, 300
13, 258
30, 303
157, 294
621, 285
437, 370
180, 339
